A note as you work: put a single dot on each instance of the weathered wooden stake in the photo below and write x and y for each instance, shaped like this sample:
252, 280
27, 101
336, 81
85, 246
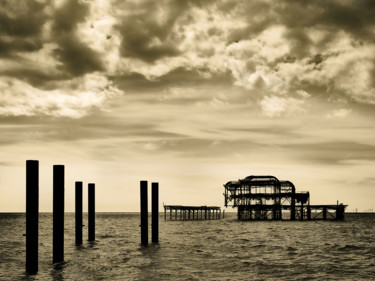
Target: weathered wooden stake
155, 212
144, 214
91, 213
32, 215
58, 213
78, 213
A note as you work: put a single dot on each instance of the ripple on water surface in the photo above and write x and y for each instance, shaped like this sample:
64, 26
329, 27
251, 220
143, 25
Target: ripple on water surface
198, 250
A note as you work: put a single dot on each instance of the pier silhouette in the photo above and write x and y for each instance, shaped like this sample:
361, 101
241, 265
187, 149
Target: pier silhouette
266, 197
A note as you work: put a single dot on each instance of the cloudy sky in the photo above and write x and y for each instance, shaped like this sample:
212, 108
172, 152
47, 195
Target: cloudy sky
191, 94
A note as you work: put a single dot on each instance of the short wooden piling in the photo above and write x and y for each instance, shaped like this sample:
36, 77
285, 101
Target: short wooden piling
32, 215
78, 206
155, 212
91, 211
324, 213
58, 213
144, 214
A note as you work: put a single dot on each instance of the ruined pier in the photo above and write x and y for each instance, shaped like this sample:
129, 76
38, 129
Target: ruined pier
266, 197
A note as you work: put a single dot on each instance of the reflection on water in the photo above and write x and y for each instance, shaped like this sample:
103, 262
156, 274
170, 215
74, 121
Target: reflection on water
57, 272
198, 250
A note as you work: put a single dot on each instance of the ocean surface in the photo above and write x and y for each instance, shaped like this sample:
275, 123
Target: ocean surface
197, 250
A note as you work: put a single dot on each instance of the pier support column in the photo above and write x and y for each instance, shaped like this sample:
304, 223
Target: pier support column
301, 218
91, 213
293, 209
340, 211
144, 214
308, 212
58, 213
155, 212
324, 213
78, 206
32, 215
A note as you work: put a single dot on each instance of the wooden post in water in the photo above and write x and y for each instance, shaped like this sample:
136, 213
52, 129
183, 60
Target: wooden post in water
78, 205
58, 213
32, 215
91, 211
301, 218
324, 213
144, 214
155, 212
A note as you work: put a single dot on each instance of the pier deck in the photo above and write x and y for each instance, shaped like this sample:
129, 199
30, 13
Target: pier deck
179, 212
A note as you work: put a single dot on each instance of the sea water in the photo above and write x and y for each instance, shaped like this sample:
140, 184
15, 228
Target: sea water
197, 250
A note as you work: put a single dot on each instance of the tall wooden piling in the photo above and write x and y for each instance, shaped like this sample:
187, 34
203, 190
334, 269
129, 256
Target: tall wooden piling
32, 215
58, 213
324, 213
91, 213
155, 212
144, 213
78, 206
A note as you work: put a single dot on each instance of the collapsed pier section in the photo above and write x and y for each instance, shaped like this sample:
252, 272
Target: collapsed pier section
265, 197
181, 213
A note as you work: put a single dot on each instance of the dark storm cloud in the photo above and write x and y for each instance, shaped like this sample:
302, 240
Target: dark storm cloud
21, 31
148, 38
10, 47
35, 77
28, 23
68, 16
76, 56
356, 18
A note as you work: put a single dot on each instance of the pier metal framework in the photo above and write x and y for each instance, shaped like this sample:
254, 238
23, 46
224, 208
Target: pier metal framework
179, 212
266, 197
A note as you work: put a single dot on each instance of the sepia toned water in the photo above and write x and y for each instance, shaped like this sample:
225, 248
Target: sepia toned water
197, 250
